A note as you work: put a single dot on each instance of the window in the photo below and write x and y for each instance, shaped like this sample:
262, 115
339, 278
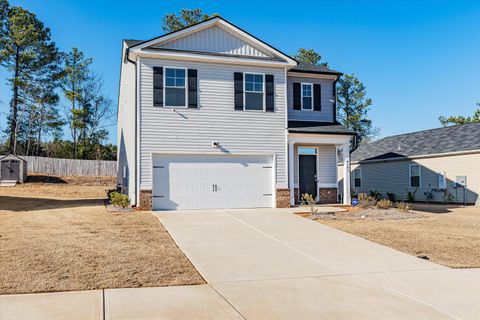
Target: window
357, 178
175, 88
306, 150
307, 94
442, 181
415, 176
124, 173
254, 94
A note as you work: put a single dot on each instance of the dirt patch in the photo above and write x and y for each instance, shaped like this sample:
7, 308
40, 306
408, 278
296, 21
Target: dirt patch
61, 238
365, 214
450, 238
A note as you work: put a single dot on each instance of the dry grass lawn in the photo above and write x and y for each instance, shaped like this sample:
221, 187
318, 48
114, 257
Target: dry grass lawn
59, 237
445, 234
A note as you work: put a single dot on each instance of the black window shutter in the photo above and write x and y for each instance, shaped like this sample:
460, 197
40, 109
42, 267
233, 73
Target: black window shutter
158, 86
192, 88
297, 97
238, 87
317, 97
269, 93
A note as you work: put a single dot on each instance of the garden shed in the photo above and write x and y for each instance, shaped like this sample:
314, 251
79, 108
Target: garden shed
13, 169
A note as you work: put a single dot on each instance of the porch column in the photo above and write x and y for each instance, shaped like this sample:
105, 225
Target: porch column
346, 174
291, 173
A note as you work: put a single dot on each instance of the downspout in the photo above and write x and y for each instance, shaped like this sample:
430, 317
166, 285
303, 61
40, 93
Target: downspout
127, 58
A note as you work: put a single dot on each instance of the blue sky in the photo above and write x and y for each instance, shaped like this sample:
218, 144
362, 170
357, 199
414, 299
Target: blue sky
418, 59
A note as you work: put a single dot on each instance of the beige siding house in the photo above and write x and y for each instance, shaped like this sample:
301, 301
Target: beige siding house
438, 165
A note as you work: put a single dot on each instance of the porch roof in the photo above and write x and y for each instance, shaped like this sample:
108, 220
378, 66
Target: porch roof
318, 127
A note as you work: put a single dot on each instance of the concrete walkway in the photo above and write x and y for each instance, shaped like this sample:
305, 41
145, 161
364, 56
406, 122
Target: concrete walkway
271, 264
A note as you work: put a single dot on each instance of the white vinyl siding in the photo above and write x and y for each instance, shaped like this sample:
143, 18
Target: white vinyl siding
126, 130
327, 112
393, 176
214, 39
326, 165
193, 130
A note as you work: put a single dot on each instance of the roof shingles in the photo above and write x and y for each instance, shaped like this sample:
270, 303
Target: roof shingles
457, 138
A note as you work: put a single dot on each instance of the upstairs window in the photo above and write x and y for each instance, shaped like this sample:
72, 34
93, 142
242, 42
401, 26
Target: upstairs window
357, 178
175, 87
254, 91
307, 94
415, 172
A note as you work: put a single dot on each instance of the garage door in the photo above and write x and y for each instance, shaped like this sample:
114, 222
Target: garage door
212, 181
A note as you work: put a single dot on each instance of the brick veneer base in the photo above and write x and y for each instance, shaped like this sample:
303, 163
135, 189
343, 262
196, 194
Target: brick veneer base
328, 195
283, 198
146, 200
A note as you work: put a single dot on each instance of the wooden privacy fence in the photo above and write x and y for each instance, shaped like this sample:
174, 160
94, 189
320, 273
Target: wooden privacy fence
70, 167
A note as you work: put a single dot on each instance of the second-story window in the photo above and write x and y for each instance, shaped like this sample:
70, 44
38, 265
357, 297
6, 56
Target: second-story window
175, 87
254, 92
307, 94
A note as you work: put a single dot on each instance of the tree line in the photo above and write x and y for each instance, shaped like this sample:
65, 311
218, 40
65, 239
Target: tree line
52, 92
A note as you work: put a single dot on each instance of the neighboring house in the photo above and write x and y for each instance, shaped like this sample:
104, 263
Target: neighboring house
211, 117
438, 165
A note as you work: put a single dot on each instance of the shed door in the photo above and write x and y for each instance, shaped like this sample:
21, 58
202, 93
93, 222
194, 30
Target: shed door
10, 170
212, 181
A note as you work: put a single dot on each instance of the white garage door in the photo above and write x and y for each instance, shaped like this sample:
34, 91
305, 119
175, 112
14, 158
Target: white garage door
212, 181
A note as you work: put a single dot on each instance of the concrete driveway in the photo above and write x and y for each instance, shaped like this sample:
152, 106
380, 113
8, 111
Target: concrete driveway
272, 264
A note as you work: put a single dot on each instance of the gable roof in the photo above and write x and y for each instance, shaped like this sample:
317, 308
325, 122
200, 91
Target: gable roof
219, 21
306, 67
456, 138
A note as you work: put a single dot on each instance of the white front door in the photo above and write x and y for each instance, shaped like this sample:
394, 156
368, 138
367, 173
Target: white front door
212, 181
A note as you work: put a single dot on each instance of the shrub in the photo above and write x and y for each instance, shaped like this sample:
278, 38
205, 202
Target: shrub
404, 206
311, 202
411, 195
392, 196
119, 199
384, 204
375, 194
366, 201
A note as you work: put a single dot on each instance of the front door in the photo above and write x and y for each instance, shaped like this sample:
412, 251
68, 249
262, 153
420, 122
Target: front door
307, 174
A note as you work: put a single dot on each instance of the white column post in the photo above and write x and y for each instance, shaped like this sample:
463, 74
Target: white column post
291, 173
346, 174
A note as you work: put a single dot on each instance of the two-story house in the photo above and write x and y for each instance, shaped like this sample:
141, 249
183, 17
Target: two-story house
212, 117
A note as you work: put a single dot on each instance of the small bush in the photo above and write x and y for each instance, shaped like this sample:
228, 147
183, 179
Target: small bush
366, 201
119, 199
375, 194
311, 202
384, 204
411, 195
404, 206
392, 196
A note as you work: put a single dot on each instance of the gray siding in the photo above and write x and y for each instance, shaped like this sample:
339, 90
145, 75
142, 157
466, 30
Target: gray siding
126, 129
214, 39
326, 114
394, 177
193, 130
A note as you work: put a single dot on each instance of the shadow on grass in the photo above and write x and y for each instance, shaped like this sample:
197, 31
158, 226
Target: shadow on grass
434, 208
33, 204
45, 179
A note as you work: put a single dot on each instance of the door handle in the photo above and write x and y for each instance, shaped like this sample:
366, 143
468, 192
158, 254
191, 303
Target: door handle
216, 188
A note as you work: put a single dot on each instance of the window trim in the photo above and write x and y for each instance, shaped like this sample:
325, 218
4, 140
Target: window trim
301, 95
360, 177
263, 92
419, 175
165, 87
